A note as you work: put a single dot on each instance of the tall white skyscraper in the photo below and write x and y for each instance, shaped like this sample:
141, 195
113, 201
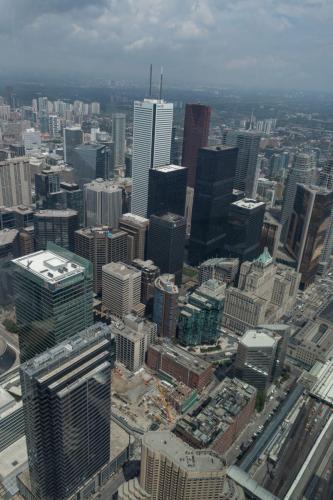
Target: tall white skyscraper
118, 137
151, 146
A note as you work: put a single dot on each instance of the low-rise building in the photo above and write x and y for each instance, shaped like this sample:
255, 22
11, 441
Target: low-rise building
221, 417
220, 269
174, 362
313, 342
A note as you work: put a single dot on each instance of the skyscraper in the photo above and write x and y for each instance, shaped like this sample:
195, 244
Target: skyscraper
212, 197
167, 190
152, 130
326, 181
196, 131
166, 242
118, 137
121, 288
245, 220
165, 313
309, 223
260, 356
172, 469
103, 203
15, 183
247, 173
67, 407
200, 316
57, 226
53, 298
137, 228
101, 245
301, 171
73, 136
91, 161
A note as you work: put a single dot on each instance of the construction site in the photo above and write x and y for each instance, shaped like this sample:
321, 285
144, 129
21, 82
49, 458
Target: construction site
146, 401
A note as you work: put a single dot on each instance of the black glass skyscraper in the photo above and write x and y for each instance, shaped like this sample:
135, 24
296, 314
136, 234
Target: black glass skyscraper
167, 190
245, 220
166, 241
67, 408
212, 197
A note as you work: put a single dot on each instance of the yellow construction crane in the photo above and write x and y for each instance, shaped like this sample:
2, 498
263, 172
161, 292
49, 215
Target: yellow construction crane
164, 402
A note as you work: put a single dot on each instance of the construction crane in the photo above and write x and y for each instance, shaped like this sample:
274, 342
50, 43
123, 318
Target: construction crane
164, 402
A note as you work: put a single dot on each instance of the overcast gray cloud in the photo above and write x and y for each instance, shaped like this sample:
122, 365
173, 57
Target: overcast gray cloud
248, 42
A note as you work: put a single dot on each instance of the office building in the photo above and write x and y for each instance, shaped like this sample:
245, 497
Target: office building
326, 181
149, 273
23, 216
67, 408
57, 226
91, 161
152, 129
133, 336
121, 288
101, 245
196, 131
31, 141
310, 222
119, 140
245, 220
301, 171
259, 359
167, 190
200, 317
221, 269
217, 424
72, 136
53, 298
172, 469
103, 203
15, 182
47, 182
270, 234
266, 291
166, 242
137, 228
172, 361
247, 172
73, 198
212, 196
165, 312
9, 244
54, 126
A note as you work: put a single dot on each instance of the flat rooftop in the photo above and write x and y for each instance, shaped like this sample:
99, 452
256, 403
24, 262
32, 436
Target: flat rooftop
170, 217
182, 454
183, 357
102, 185
169, 168
14, 458
323, 388
134, 218
7, 236
219, 147
121, 270
257, 339
56, 213
315, 336
218, 412
49, 266
212, 288
166, 282
248, 203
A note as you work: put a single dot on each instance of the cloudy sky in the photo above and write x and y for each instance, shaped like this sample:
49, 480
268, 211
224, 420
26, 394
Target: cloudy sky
263, 43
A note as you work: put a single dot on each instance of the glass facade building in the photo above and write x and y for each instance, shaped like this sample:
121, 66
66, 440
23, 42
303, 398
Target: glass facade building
167, 190
53, 298
213, 195
67, 408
